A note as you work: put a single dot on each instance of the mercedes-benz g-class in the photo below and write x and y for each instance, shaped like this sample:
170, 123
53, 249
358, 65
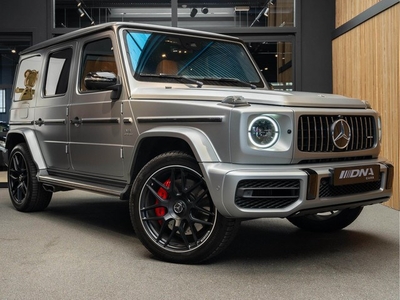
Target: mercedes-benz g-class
183, 125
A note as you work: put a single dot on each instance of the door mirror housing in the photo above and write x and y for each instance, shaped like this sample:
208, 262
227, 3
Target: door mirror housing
104, 81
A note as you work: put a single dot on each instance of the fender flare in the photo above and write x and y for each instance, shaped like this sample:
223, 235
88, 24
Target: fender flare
29, 137
197, 140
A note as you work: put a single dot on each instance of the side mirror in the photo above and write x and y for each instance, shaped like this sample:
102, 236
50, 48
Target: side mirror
104, 81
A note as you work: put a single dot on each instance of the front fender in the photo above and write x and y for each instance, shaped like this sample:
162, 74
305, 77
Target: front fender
198, 141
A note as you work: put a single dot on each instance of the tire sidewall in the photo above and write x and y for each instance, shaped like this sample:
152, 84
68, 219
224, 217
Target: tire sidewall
192, 256
21, 149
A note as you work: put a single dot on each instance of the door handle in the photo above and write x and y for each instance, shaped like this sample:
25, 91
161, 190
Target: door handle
39, 122
76, 121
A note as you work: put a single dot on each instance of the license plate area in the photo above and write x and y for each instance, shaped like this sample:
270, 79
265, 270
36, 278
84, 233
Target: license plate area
352, 175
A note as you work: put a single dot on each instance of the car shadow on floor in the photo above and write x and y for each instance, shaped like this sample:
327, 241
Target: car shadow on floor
257, 240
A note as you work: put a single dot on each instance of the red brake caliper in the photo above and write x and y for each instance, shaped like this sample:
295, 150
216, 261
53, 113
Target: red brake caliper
161, 211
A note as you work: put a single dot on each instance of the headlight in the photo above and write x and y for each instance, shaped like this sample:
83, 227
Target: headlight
263, 131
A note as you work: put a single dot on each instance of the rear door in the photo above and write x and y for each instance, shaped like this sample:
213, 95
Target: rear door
51, 124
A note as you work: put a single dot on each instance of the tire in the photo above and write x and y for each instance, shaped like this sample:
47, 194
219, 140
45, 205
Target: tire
327, 222
26, 193
173, 214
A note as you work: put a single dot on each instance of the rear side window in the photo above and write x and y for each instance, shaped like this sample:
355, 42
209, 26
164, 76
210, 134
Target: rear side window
28, 76
97, 56
57, 73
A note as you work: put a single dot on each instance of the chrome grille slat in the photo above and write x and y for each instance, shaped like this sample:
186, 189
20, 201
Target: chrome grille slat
314, 133
309, 133
352, 130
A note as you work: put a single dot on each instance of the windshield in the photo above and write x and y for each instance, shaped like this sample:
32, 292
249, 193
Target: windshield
171, 58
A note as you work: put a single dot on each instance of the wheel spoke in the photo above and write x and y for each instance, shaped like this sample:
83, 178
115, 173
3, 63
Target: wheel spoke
194, 232
155, 218
203, 222
183, 235
183, 180
193, 187
172, 234
163, 229
173, 187
159, 198
162, 185
205, 211
151, 207
18, 177
188, 215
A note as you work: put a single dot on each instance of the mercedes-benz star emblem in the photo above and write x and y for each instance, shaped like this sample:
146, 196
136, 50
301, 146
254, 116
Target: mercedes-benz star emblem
341, 133
179, 207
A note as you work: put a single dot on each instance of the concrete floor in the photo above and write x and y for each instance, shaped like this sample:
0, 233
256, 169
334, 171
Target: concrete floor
3, 179
83, 247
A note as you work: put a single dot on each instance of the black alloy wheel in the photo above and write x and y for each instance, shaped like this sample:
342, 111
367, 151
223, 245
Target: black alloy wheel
26, 193
173, 213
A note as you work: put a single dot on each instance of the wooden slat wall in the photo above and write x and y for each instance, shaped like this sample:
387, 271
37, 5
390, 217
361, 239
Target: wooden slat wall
366, 65
348, 9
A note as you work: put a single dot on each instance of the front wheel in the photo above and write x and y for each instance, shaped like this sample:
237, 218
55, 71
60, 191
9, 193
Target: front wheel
329, 221
26, 193
173, 213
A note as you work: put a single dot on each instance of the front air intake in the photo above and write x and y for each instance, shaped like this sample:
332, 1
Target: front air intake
267, 194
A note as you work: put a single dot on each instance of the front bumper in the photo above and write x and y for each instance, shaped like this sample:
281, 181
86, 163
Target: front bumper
264, 191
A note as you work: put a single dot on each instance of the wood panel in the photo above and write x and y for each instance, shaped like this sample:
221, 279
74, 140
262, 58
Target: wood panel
348, 9
366, 65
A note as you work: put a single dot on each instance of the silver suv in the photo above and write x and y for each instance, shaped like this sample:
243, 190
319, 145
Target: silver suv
182, 124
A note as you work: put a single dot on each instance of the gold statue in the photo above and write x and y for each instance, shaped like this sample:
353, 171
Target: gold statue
31, 76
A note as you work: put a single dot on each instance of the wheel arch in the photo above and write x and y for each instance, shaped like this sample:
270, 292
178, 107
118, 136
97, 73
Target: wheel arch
163, 139
27, 136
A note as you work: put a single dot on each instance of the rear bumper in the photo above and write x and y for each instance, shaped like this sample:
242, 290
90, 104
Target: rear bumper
3, 156
249, 191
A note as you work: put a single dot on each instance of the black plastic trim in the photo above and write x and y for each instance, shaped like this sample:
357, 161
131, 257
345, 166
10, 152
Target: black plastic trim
180, 120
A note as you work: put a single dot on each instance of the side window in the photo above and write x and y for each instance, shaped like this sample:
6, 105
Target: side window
97, 56
28, 75
57, 73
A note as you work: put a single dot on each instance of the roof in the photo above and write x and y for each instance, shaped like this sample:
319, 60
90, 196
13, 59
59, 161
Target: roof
114, 26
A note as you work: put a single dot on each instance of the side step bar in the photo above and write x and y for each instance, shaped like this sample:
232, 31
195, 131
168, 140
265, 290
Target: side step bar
76, 184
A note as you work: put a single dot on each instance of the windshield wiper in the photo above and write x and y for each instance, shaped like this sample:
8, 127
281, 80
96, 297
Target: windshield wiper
198, 83
253, 86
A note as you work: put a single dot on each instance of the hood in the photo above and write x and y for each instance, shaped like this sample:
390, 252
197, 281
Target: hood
257, 96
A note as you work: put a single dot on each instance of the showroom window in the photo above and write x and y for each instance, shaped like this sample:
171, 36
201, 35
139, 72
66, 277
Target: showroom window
2, 101
187, 14
275, 61
246, 19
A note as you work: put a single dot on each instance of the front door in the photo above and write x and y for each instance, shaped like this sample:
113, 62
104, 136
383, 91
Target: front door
95, 119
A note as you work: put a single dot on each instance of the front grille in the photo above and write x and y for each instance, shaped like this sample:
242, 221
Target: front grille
267, 194
314, 133
326, 189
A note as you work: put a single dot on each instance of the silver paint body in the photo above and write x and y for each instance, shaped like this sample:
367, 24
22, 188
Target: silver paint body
100, 153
